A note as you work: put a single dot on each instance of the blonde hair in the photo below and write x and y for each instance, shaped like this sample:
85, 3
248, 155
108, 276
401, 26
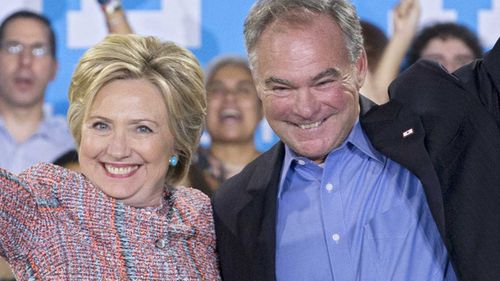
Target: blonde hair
172, 69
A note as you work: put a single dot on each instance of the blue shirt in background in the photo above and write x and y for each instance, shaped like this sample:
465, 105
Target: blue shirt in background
357, 216
51, 140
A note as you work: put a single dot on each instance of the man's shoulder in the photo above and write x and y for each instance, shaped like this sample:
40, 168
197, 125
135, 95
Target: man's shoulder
254, 177
56, 123
56, 130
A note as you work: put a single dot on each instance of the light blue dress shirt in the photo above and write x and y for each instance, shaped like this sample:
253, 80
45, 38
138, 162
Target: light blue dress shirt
357, 216
51, 140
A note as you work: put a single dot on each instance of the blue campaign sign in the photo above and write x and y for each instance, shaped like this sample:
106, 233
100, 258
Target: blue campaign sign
213, 27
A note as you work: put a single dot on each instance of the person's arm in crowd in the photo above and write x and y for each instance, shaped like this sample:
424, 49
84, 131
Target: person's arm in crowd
482, 77
5, 272
116, 19
406, 16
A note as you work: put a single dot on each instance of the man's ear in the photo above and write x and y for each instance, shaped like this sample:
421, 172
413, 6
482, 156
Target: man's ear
361, 68
54, 67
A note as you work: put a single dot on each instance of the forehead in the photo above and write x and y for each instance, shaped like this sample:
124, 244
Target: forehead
140, 95
26, 30
128, 101
286, 48
232, 71
449, 45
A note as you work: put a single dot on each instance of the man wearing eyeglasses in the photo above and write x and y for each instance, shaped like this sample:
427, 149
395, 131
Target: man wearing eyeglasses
28, 132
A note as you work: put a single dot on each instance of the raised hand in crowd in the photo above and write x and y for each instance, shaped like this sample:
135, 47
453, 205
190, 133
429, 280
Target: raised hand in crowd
405, 16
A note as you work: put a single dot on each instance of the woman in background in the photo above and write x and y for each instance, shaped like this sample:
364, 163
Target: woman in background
450, 44
233, 114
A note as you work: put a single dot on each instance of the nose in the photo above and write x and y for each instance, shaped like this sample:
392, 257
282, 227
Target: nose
26, 57
306, 104
451, 66
230, 95
118, 146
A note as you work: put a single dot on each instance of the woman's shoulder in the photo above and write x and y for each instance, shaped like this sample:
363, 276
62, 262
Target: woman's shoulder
189, 197
192, 207
193, 204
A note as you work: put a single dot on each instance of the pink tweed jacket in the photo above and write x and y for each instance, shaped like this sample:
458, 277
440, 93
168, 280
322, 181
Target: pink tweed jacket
55, 225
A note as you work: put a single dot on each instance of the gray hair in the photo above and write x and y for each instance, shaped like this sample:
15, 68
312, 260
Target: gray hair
223, 61
265, 12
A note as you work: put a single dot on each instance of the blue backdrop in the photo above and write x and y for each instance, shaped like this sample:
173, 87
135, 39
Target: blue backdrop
213, 27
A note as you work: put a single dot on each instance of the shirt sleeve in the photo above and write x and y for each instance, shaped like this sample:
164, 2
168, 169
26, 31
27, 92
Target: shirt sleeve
17, 215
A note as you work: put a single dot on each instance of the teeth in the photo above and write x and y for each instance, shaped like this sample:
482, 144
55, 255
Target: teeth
230, 113
310, 126
120, 170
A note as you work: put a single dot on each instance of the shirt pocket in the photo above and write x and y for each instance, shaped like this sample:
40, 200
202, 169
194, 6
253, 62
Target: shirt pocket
403, 243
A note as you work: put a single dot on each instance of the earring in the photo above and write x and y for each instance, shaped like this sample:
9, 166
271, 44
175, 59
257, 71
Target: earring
173, 160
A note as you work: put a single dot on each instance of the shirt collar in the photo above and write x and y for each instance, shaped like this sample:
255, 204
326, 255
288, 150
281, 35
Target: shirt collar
47, 124
357, 138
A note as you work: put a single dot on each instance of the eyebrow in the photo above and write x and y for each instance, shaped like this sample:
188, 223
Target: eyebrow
275, 80
36, 43
330, 72
133, 121
91, 117
245, 83
214, 82
142, 120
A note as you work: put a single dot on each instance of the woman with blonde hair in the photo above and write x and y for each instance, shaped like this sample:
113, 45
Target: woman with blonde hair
137, 108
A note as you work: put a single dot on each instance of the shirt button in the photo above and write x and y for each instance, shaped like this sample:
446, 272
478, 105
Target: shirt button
329, 187
301, 162
336, 237
160, 243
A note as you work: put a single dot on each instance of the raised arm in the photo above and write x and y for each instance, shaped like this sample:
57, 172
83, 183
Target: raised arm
405, 16
116, 19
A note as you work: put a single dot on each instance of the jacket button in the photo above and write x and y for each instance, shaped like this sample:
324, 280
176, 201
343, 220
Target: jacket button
161, 243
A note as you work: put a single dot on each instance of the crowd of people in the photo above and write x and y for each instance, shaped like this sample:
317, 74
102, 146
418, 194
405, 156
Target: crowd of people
379, 174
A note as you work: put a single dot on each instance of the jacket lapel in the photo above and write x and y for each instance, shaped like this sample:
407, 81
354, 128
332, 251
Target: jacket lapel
256, 219
400, 135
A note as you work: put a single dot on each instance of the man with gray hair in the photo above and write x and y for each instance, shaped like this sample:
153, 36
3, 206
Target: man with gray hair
354, 191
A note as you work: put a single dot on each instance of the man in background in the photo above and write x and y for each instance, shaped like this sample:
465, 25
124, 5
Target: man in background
28, 132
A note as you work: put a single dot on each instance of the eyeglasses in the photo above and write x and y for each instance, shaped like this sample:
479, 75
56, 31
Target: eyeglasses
243, 90
16, 48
